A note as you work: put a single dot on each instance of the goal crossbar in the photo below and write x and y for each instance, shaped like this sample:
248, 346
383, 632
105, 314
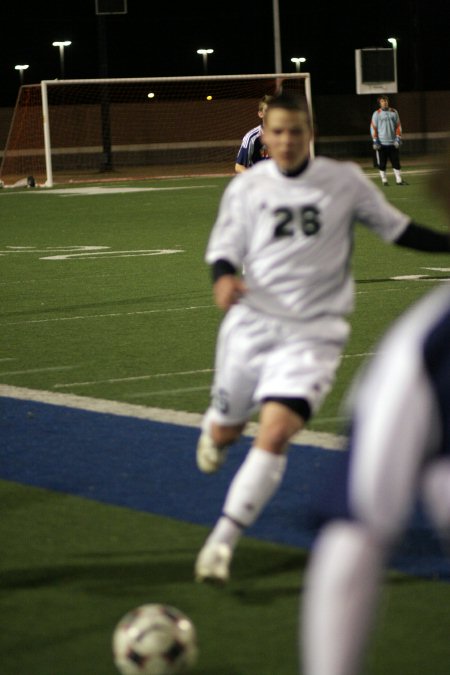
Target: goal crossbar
120, 118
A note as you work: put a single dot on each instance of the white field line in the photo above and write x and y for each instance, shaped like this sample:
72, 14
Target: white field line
320, 439
410, 172
133, 378
151, 376
113, 315
36, 370
169, 392
95, 275
105, 316
102, 190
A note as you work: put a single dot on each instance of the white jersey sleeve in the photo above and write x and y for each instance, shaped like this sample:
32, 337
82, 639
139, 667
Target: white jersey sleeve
227, 239
373, 210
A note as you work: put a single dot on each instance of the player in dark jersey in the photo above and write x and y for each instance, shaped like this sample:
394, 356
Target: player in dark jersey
252, 148
399, 451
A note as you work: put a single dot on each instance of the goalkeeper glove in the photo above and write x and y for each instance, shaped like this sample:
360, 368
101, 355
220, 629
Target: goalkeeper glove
376, 145
397, 142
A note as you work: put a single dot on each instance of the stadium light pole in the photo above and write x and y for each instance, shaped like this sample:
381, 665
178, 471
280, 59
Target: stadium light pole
21, 69
61, 46
277, 36
205, 53
298, 61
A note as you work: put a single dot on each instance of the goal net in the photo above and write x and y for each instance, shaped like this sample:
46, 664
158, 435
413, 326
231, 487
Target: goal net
79, 129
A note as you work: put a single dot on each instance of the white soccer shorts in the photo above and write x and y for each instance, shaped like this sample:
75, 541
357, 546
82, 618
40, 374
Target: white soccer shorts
259, 357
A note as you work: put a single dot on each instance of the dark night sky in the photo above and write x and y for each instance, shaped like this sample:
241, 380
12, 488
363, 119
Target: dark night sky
158, 38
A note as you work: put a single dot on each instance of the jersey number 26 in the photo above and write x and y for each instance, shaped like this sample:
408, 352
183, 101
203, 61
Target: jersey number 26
289, 220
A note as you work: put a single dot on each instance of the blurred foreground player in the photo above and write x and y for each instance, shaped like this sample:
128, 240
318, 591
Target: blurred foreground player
290, 221
400, 450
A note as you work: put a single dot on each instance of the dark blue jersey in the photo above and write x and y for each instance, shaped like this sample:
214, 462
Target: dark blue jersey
436, 355
399, 408
252, 148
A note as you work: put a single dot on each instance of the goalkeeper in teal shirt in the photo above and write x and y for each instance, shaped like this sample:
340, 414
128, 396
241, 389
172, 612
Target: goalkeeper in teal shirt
386, 132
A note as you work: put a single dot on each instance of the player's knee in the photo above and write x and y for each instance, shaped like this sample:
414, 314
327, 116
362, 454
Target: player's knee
385, 522
350, 537
279, 421
354, 550
274, 437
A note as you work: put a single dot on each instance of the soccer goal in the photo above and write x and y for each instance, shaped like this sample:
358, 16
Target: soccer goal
80, 129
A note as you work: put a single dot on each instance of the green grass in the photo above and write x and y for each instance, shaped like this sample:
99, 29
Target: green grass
115, 318
71, 567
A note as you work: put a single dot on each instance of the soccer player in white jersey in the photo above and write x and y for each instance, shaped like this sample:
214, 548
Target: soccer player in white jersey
290, 222
400, 450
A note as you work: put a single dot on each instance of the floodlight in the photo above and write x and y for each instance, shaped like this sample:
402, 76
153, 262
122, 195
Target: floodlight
61, 45
298, 61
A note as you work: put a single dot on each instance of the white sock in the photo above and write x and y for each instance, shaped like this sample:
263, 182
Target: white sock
251, 489
225, 531
398, 175
383, 175
339, 600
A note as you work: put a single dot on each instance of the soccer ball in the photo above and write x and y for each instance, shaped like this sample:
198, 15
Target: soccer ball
154, 639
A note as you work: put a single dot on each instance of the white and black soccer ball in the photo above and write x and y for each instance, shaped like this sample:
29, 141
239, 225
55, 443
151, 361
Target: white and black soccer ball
154, 639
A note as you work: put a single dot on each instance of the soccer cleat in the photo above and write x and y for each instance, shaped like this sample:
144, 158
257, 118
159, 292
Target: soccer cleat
401, 182
213, 563
385, 183
209, 456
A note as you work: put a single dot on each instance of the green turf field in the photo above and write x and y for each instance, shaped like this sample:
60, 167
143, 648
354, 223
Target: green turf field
120, 323
70, 568
107, 296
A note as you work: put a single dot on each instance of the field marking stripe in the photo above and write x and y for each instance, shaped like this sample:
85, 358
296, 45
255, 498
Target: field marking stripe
170, 392
133, 378
105, 316
177, 417
37, 370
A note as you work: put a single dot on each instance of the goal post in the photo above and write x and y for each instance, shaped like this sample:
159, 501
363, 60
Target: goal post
139, 127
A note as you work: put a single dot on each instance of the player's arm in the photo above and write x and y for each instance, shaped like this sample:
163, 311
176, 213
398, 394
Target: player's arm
374, 133
228, 288
398, 131
423, 239
242, 159
240, 168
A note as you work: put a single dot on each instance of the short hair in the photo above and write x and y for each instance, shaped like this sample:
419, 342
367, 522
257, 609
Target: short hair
266, 99
383, 98
290, 101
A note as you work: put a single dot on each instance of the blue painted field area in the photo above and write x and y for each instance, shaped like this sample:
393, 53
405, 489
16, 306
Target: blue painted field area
150, 466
